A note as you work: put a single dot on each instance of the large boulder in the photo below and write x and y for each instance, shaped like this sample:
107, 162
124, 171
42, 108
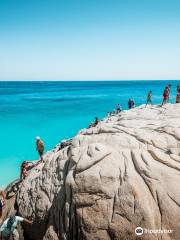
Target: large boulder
122, 174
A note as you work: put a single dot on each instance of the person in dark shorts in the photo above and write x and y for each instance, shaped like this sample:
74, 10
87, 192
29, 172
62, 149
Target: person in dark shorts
118, 108
131, 103
149, 98
40, 147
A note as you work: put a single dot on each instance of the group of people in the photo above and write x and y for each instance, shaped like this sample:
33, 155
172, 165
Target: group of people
166, 95
131, 102
8, 229
27, 166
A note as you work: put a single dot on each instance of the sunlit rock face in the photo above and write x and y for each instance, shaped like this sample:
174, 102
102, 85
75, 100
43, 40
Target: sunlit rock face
117, 176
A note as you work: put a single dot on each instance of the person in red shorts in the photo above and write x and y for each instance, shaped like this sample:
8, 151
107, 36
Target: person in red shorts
165, 96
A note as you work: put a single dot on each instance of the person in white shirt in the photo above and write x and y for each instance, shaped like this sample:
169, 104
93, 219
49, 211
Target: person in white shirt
8, 229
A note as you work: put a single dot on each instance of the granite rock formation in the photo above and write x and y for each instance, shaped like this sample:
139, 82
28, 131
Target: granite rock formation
110, 179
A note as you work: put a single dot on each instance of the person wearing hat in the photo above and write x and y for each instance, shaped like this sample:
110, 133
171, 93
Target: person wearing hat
40, 147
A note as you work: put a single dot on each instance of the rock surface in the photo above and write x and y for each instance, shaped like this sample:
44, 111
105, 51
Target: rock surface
114, 177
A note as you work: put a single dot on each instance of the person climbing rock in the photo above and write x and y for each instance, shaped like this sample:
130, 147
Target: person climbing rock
24, 171
2, 201
26, 167
9, 230
40, 147
149, 98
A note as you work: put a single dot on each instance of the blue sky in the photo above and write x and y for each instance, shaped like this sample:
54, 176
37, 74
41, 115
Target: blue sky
89, 40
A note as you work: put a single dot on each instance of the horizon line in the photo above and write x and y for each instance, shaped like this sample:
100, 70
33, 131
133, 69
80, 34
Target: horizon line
89, 80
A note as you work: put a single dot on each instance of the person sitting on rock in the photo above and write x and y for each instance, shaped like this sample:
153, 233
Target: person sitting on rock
40, 147
2, 202
131, 103
9, 228
95, 123
63, 144
149, 98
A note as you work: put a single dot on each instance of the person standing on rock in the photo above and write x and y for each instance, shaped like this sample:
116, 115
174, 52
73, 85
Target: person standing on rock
149, 98
40, 147
8, 229
168, 89
178, 94
118, 108
165, 95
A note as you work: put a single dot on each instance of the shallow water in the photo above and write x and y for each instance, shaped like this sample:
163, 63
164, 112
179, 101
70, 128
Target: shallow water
58, 110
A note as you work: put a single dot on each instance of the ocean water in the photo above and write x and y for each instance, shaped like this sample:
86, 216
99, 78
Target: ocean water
58, 110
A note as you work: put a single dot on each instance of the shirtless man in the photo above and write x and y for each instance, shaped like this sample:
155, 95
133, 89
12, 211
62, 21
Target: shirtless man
40, 147
149, 98
165, 95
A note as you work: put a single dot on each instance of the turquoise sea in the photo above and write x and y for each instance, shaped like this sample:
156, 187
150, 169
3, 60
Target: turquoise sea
57, 110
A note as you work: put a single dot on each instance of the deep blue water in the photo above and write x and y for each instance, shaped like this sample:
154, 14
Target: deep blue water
57, 110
